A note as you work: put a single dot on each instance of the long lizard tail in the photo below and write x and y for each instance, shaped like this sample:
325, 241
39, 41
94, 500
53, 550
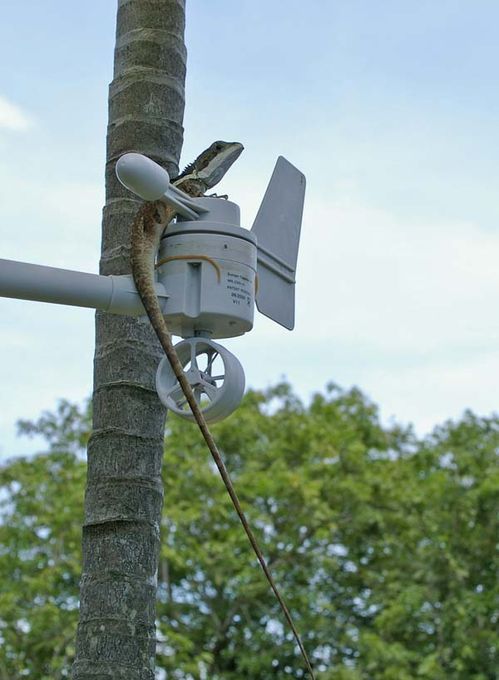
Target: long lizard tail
146, 233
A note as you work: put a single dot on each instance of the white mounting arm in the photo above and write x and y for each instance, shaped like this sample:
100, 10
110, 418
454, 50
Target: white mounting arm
116, 294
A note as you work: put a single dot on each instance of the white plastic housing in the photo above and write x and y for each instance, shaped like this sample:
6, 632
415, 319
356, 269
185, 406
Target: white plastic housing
208, 271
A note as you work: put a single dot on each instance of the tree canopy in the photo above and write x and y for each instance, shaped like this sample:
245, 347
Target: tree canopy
383, 545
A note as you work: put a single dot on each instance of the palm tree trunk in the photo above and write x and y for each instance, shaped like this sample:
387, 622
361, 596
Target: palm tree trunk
116, 633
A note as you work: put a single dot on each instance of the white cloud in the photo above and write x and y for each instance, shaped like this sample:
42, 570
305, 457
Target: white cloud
400, 285
430, 394
13, 118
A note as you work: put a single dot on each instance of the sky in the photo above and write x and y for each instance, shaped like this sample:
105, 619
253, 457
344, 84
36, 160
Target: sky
389, 108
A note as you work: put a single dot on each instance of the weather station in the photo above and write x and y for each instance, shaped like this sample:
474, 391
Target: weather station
210, 273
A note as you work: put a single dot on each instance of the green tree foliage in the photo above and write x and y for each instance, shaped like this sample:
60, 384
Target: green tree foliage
40, 557
384, 546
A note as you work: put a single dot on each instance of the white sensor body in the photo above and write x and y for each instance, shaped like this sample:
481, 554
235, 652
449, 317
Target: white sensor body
208, 266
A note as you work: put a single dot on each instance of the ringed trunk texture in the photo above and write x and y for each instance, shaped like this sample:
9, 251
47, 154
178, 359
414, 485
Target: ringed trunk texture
116, 634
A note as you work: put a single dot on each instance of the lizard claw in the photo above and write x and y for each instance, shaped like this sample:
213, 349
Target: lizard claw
225, 196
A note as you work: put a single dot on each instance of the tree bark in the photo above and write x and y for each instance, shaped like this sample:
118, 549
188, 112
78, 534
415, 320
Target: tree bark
116, 634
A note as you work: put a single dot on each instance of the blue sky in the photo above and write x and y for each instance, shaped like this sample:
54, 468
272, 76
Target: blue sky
390, 108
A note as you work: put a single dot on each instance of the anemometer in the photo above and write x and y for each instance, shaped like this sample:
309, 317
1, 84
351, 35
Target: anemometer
210, 274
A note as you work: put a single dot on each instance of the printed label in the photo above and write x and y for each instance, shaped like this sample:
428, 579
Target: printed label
240, 289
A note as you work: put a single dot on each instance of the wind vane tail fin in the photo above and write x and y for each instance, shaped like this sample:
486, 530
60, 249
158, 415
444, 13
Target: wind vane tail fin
277, 227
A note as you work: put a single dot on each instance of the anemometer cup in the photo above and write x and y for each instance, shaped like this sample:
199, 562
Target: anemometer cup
215, 375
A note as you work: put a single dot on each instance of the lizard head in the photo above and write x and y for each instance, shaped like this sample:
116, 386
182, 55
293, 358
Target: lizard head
211, 165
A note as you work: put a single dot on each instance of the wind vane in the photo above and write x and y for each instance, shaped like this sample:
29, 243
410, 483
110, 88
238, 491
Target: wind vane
210, 273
